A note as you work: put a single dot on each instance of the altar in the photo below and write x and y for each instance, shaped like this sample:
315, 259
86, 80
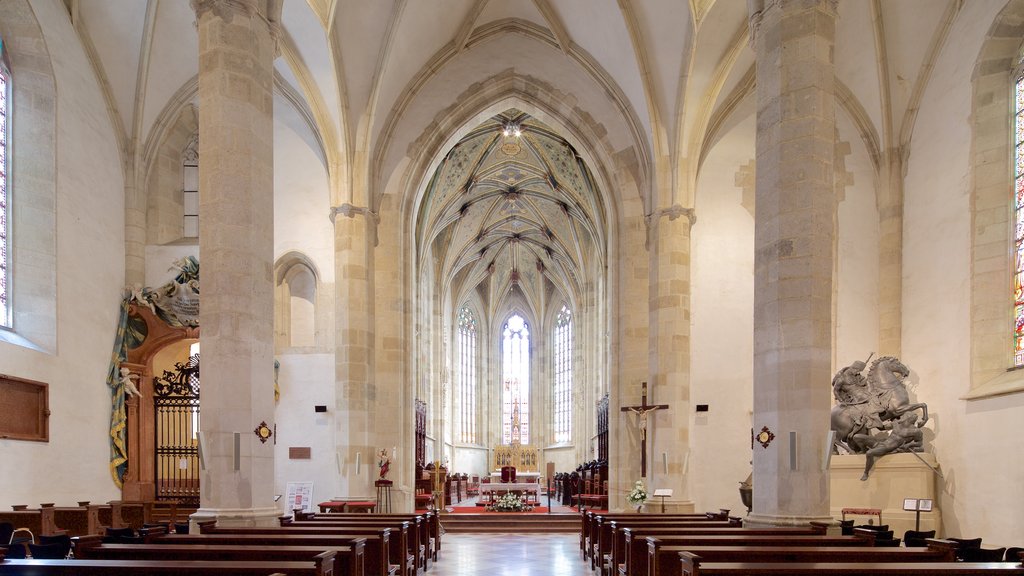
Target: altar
527, 476
492, 488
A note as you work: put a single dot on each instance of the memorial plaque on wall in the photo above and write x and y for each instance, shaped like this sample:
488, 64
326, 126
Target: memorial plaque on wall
299, 452
25, 408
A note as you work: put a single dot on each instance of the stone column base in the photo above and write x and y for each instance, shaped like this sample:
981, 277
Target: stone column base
236, 518
754, 520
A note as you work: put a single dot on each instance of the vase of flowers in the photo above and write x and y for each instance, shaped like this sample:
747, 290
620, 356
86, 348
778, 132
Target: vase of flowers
509, 502
637, 496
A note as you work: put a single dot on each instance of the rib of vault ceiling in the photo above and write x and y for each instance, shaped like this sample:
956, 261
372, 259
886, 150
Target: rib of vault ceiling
512, 214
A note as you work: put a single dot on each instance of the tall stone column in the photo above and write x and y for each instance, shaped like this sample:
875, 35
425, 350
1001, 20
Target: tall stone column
669, 429
793, 242
356, 395
236, 233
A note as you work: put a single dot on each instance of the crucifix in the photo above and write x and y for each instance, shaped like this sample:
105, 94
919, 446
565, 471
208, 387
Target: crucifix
642, 411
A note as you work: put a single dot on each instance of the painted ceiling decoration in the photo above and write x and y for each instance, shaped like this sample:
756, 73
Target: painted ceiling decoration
505, 213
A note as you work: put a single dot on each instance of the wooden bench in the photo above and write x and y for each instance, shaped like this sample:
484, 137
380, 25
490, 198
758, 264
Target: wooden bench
612, 550
159, 567
78, 520
590, 520
418, 534
344, 560
39, 521
691, 566
664, 560
404, 535
431, 519
377, 551
608, 537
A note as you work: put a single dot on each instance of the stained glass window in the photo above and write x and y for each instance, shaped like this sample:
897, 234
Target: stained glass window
1018, 235
467, 375
563, 376
515, 381
5, 121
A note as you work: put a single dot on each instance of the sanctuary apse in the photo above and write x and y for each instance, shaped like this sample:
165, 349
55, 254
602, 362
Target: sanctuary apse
506, 212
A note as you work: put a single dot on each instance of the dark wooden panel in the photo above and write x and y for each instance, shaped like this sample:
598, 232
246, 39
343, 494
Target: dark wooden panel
299, 452
26, 409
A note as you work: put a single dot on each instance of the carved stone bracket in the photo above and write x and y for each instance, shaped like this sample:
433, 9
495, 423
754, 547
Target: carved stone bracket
349, 211
673, 212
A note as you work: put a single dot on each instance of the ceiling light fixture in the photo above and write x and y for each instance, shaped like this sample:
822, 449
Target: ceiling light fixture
512, 129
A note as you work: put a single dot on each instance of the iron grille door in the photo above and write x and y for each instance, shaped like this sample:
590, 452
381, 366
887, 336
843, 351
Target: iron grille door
176, 422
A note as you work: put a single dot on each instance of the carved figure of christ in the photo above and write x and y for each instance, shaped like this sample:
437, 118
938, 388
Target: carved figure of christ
642, 410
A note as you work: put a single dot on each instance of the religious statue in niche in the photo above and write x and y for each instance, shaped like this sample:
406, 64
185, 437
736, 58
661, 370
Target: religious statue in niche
874, 414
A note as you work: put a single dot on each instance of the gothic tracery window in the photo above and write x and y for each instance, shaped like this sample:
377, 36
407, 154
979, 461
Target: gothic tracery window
562, 393
515, 381
5, 244
467, 343
190, 188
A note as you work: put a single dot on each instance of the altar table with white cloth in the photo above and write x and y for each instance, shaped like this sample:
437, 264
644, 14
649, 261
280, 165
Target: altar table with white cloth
502, 487
529, 476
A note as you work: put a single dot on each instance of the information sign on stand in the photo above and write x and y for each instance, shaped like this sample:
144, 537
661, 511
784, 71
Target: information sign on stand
917, 505
299, 497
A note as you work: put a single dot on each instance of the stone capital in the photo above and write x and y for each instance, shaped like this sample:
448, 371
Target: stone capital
673, 212
351, 211
756, 9
224, 9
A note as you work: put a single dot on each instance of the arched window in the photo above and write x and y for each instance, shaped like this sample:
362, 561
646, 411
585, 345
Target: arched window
1018, 234
467, 339
562, 393
190, 188
515, 381
5, 209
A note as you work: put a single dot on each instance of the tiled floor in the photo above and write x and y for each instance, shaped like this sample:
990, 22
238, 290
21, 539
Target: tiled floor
510, 555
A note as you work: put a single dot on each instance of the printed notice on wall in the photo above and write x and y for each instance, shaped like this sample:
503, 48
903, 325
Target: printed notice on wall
300, 497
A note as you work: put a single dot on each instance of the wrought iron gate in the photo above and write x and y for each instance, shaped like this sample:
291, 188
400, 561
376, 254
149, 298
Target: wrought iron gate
176, 430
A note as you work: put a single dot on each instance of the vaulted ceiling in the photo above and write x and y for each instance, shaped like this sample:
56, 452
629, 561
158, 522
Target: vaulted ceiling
512, 210
678, 73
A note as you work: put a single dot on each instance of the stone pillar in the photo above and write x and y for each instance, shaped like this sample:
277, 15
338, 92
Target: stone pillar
356, 394
669, 436
793, 242
134, 234
236, 234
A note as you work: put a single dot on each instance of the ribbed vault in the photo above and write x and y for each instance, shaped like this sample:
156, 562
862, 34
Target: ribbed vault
512, 210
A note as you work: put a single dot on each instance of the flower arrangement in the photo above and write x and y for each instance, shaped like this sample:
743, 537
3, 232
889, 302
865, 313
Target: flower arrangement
509, 502
638, 495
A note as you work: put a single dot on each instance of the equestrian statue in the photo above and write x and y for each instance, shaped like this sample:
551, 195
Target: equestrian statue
873, 414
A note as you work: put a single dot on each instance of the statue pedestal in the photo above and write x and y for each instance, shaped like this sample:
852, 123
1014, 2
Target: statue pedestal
893, 478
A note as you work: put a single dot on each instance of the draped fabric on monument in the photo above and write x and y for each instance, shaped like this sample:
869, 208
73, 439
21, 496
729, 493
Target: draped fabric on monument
118, 416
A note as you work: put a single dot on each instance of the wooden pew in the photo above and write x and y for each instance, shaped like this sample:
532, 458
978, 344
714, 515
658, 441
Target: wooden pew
344, 560
432, 518
376, 552
130, 514
607, 533
664, 560
419, 541
39, 521
611, 549
690, 565
405, 536
590, 521
159, 567
402, 551
78, 520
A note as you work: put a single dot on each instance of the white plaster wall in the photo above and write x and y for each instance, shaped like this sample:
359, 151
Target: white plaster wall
307, 380
302, 209
974, 442
856, 304
73, 465
721, 349
160, 259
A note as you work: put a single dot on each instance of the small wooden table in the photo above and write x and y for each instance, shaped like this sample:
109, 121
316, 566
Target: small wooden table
863, 512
